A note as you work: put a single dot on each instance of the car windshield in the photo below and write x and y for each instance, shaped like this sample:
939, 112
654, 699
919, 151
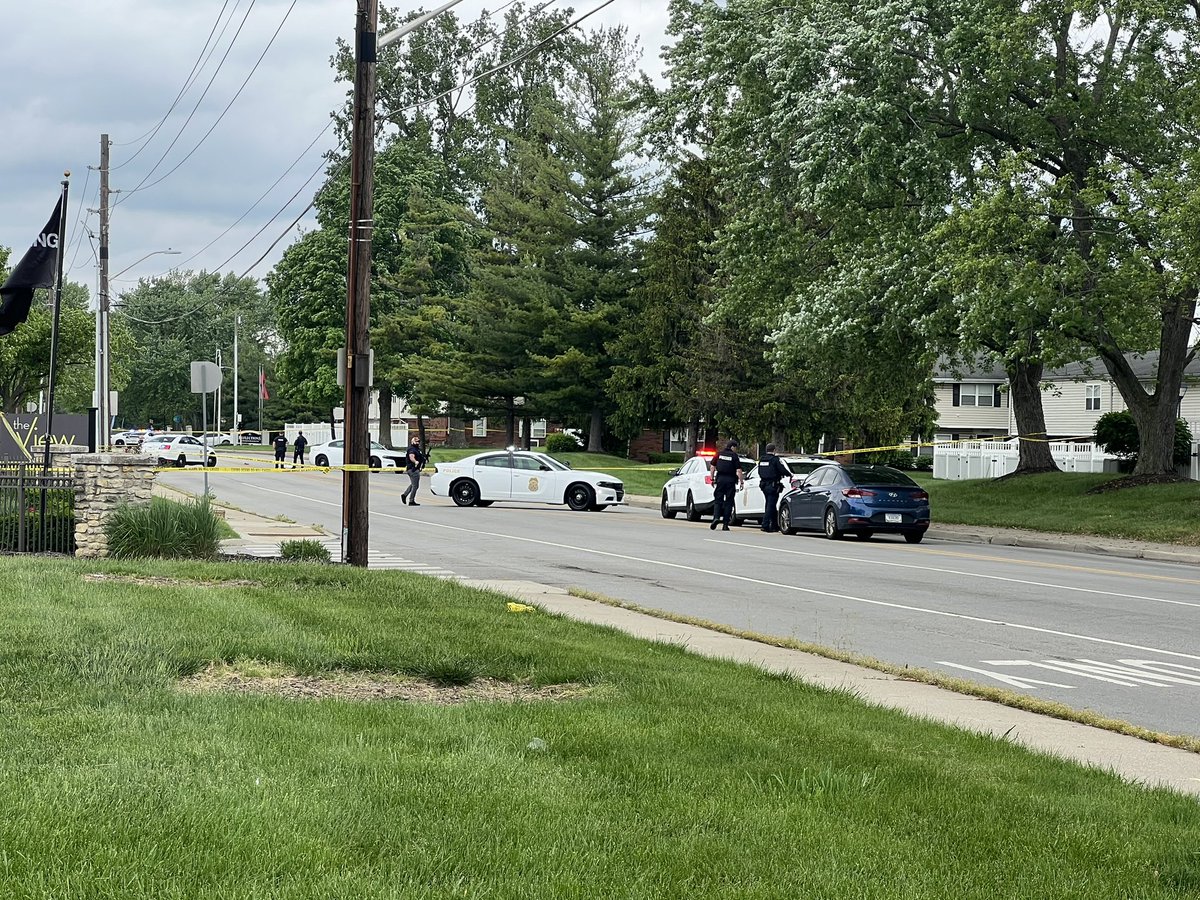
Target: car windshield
878, 475
551, 462
803, 467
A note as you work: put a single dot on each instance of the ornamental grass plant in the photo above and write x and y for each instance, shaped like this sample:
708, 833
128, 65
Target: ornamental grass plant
166, 529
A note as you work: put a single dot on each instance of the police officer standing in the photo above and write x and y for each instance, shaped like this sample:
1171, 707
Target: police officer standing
413, 464
726, 467
281, 443
770, 470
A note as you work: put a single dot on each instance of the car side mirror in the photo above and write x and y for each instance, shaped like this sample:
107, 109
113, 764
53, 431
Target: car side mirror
543, 467
674, 472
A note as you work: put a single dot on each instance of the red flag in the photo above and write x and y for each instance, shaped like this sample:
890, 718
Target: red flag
262, 385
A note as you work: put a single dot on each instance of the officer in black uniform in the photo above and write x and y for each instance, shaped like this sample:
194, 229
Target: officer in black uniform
726, 467
413, 464
281, 443
770, 470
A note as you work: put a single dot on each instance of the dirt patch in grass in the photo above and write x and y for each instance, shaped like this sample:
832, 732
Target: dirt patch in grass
277, 681
1132, 481
165, 582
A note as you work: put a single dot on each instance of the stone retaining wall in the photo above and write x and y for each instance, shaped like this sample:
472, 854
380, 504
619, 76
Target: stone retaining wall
104, 481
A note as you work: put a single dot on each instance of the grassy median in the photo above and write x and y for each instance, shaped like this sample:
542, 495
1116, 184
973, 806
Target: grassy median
628, 770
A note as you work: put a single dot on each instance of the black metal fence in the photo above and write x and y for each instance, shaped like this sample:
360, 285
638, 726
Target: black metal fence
22, 527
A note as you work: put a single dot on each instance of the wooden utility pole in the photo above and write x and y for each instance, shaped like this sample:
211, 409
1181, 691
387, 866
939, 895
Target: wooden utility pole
103, 366
355, 480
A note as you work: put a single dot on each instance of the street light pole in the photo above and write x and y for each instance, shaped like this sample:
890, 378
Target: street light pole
355, 508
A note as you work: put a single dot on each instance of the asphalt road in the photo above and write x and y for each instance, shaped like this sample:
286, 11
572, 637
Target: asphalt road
1119, 637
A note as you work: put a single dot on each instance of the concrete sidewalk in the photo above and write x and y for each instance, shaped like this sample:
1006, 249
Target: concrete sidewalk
1041, 540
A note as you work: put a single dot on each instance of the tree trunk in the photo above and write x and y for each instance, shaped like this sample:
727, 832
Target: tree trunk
385, 417
421, 432
1025, 388
1155, 413
779, 439
596, 432
693, 438
456, 432
526, 428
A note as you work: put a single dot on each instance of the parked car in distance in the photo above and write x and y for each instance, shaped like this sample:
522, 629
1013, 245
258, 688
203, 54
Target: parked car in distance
526, 476
749, 502
331, 453
857, 499
129, 438
178, 450
690, 488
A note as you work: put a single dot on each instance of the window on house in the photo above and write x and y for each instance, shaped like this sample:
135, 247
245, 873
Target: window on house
537, 429
678, 440
479, 428
977, 395
1092, 398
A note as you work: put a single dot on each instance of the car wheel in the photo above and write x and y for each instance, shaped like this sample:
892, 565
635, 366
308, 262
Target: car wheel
914, 537
163, 463
667, 512
464, 493
689, 511
322, 461
119, 443
864, 535
785, 520
375, 462
831, 526
181, 462
212, 462
580, 497
225, 443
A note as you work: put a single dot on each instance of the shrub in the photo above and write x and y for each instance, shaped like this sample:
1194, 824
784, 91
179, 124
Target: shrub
1117, 433
164, 529
897, 459
674, 458
305, 551
562, 442
924, 463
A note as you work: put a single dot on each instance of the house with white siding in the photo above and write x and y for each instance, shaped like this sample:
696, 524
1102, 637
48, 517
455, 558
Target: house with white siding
975, 403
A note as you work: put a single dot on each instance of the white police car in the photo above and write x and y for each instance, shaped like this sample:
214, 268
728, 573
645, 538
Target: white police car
749, 503
178, 450
523, 476
690, 488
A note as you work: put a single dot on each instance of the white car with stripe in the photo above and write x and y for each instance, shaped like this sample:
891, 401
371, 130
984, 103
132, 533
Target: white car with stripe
526, 477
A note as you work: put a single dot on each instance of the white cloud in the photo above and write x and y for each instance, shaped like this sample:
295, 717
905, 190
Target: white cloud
74, 71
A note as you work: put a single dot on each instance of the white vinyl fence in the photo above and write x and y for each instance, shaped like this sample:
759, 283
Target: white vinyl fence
990, 459
320, 432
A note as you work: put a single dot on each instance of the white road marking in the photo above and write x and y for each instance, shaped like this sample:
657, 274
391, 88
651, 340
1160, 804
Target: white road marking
883, 562
1013, 680
1123, 672
774, 584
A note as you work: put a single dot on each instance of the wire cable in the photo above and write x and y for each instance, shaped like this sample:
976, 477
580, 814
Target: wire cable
187, 121
80, 222
201, 60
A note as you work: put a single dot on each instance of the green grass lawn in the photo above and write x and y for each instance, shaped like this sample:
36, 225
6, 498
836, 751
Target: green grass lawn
1160, 512
671, 777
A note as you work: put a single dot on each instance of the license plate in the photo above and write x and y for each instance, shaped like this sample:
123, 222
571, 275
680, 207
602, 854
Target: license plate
892, 517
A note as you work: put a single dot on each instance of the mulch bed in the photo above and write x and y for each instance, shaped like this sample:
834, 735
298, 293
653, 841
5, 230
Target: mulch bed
163, 581
344, 685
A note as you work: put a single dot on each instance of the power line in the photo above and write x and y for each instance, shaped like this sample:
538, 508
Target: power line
201, 60
80, 222
188, 120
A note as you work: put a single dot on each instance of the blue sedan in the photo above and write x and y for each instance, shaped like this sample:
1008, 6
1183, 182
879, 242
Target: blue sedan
862, 500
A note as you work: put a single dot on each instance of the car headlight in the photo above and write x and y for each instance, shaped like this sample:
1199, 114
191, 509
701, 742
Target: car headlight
615, 485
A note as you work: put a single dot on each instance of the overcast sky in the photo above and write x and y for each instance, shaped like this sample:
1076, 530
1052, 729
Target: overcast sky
72, 71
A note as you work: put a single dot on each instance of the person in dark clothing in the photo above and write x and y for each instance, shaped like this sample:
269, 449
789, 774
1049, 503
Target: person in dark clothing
726, 468
281, 443
301, 443
413, 464
770, 470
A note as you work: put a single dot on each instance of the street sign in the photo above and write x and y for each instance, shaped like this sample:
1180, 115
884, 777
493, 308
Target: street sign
206, 377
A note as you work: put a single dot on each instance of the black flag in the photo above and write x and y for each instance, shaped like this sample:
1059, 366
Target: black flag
35, 270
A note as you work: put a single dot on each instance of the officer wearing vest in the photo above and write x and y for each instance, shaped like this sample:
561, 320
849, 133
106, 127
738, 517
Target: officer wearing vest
726, 467
770, 470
